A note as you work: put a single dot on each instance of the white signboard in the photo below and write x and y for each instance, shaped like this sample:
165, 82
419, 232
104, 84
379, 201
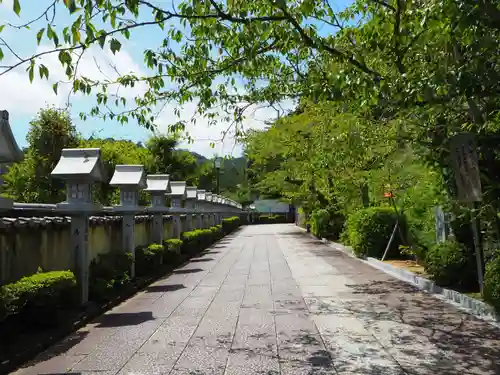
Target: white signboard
465, 166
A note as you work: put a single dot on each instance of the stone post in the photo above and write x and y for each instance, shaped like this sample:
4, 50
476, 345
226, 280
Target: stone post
177, 195
158, 185
200, 208
130, 179
191, 196
209, 209
80, 168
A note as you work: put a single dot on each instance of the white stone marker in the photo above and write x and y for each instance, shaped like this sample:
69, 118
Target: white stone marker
80, 167
158, 185
177, 195
200, 207
130, 179
191, 197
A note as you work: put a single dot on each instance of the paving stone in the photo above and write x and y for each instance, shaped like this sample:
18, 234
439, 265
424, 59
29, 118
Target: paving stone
153, 362
274, 301
245, 363
173, 331
198, 358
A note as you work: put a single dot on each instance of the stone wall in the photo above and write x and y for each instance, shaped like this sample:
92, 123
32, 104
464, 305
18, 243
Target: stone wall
29, 243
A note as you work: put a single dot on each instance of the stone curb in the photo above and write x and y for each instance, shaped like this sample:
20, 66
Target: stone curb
465, 303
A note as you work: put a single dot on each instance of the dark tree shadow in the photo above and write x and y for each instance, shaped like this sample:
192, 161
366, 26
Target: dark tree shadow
57, 349
164, 288
188, 271
201, 260
124, 319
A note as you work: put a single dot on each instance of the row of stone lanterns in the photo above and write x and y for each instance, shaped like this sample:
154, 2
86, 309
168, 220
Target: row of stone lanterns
80, 168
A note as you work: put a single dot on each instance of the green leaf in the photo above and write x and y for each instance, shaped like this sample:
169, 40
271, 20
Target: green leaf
39, 35
17, 7
102, 40
1, 54
115, 45
31, 71
54, 87
1, 28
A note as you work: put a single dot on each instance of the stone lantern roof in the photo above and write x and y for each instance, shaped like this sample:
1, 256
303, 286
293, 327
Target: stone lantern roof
129, 176
158, 182
79, 164
191, 192
178, 189
9, 150
201, 195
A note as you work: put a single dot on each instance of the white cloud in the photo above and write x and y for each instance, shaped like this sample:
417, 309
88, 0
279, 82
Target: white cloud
19, 96
204, 134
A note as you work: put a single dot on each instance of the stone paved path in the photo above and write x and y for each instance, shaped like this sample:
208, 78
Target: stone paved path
270, 300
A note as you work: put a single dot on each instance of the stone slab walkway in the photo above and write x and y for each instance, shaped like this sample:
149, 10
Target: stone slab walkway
270, 300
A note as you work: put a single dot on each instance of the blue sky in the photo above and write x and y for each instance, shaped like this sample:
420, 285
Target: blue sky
23, 100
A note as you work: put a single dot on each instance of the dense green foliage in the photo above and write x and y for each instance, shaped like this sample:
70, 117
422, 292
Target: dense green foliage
451, 264
492, 283
36, 298
29, 181
148, 259
109, 273
369, 230
327, 223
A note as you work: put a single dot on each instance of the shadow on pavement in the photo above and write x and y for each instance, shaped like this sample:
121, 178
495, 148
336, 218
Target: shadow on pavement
199, 260
438, 338
124, 319
164, 288
188, 271
58, 349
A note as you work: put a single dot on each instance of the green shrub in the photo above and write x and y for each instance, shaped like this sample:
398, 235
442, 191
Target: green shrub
451, 264
271, 219
369, 231
172, 250
148, 259
230, 224
326, 223
491, 292
38, 297
108, 274
199, 239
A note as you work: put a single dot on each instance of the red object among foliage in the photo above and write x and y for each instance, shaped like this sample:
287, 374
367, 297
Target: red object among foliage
388, 195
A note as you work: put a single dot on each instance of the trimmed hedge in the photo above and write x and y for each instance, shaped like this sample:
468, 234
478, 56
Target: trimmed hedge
368, 231
271, 219
108, 274
491, 291
230, 224
172, 250
327, 223
451, 264
148, 259
37, 298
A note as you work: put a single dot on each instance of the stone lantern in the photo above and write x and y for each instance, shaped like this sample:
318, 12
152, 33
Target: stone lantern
209, 208
9, 151
191, 201
177, 195
80, 168
200, 207
158, 185
130, 179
